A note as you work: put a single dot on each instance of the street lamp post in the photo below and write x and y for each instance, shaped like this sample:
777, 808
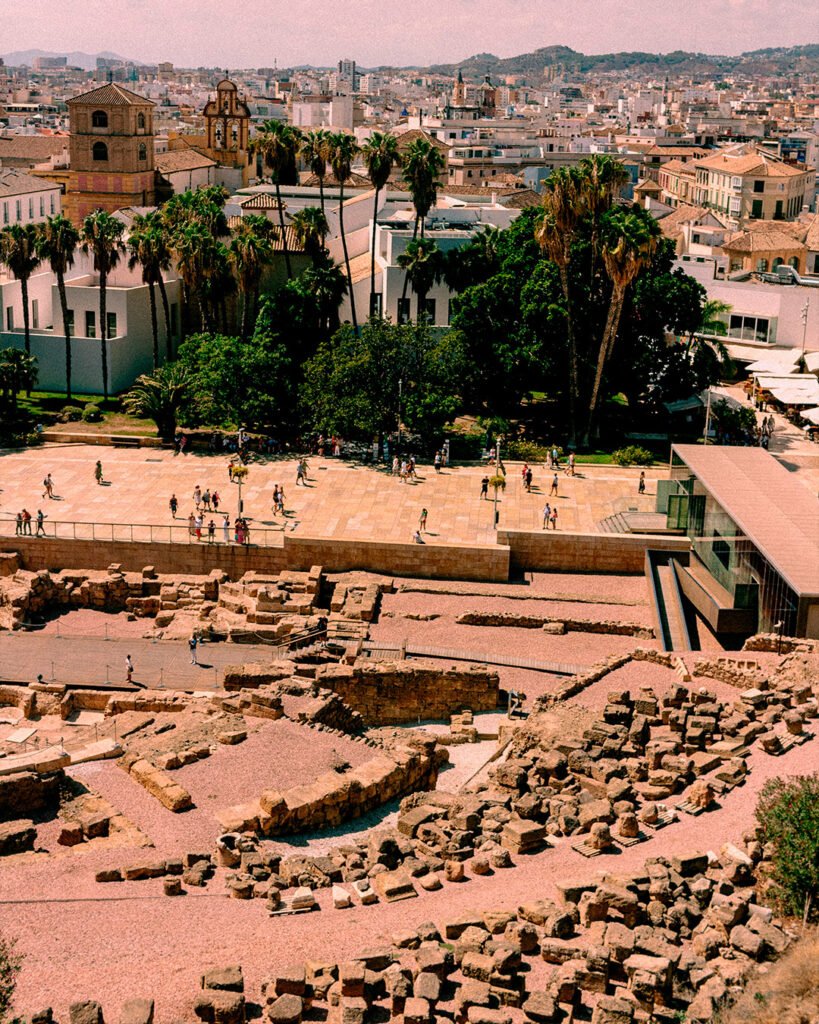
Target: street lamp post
238, 478
805, 311
400, 392
495, 500
779, 626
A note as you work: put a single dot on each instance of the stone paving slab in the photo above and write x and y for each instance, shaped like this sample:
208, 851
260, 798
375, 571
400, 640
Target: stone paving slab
342, 499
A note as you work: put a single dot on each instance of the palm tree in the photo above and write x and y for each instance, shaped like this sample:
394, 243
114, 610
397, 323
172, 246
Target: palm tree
149, 249
193, 247
602, 178
160, 395
555, 234
423, 163
314, 151
630, 239
251, 250
380, 154
57, 243
310, 228
18, 370
327, 285
18, 250
424, 264
475, 262
102, 237
342, 150
279, 144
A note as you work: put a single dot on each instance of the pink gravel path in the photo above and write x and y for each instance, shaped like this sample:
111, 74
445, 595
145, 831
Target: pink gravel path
115, 951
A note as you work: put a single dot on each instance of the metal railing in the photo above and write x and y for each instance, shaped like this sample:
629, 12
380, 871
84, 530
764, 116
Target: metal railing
145, 533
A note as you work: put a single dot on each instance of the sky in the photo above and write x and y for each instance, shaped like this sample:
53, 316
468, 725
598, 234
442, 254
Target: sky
254, 33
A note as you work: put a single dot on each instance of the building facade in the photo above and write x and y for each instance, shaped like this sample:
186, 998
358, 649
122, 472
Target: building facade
25, 199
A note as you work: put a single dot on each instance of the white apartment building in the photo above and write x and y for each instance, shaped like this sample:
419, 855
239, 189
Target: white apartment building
26, 199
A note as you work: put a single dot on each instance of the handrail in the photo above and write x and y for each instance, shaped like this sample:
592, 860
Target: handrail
178, 532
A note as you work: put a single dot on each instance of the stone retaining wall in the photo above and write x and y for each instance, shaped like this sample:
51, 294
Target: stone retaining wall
394, 692
585, 552
775, 644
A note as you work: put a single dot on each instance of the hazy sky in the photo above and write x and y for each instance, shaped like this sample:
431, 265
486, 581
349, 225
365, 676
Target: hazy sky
251, 33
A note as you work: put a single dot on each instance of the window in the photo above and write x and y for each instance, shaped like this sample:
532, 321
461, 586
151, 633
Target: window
778, 261
5, 213
429, 311
140, 122
761, 266
99, 151
42, 206
99, 119
756, 208
90, 323
111, 324
18, 209
143, 151
9, 318
759, 186
35, 313
52, 205
31, 208
778, 210
70, 318
403, 311
376, 302
749, 328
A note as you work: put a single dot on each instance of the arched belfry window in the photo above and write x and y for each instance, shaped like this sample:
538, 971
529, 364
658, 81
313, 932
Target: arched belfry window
140, 122
99, 119
99, 151
143, 151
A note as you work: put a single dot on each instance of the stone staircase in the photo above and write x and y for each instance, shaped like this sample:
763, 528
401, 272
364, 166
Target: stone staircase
617, 523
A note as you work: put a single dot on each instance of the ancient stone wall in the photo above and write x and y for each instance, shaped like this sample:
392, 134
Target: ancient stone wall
27, 793
609, 627
394, 692
585, 552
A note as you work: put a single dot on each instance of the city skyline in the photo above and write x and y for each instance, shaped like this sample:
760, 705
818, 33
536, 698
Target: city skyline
383, 32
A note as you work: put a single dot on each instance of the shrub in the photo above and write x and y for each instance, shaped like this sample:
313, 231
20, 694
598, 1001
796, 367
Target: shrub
526, 451
632, 455
788, 816
70, 414
91, 413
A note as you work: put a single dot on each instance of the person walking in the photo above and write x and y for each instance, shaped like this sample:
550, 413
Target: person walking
437, 462
26, 522
40, 527
280, 502
98, 472
211, 531
18, 526
191, 524
245, 531
226, 529
641, 486
485, 488
48, 484
129, 669
214, 500
192, 645
206, 499
528, 479
395, 465
198, 526
173, 505
197, 496
571, 463
553, 489
300, 474
547, 515
422, 522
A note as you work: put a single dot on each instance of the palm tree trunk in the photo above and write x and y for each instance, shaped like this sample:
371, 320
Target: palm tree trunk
284, 233
372, 256
154, 328
606, 344
104, 333
26, 334
64, 307
167, 311
574, 384
346, 257
321, 191
246, 300
406, 275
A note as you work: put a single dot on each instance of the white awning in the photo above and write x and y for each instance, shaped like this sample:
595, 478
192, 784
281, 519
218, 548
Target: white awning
812, 362
811, 415
782, 361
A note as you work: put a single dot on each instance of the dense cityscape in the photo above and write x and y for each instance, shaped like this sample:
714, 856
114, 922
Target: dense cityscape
479, 403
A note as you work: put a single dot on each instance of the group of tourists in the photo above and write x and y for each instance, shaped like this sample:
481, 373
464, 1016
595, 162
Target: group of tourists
198, 529
328, 446
404, 469
23, 520
549, 516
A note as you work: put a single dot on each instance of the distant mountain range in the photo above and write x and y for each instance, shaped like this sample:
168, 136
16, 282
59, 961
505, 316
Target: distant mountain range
775, 60
76, 59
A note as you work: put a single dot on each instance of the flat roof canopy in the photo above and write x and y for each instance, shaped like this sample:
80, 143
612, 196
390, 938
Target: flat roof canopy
777, 513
